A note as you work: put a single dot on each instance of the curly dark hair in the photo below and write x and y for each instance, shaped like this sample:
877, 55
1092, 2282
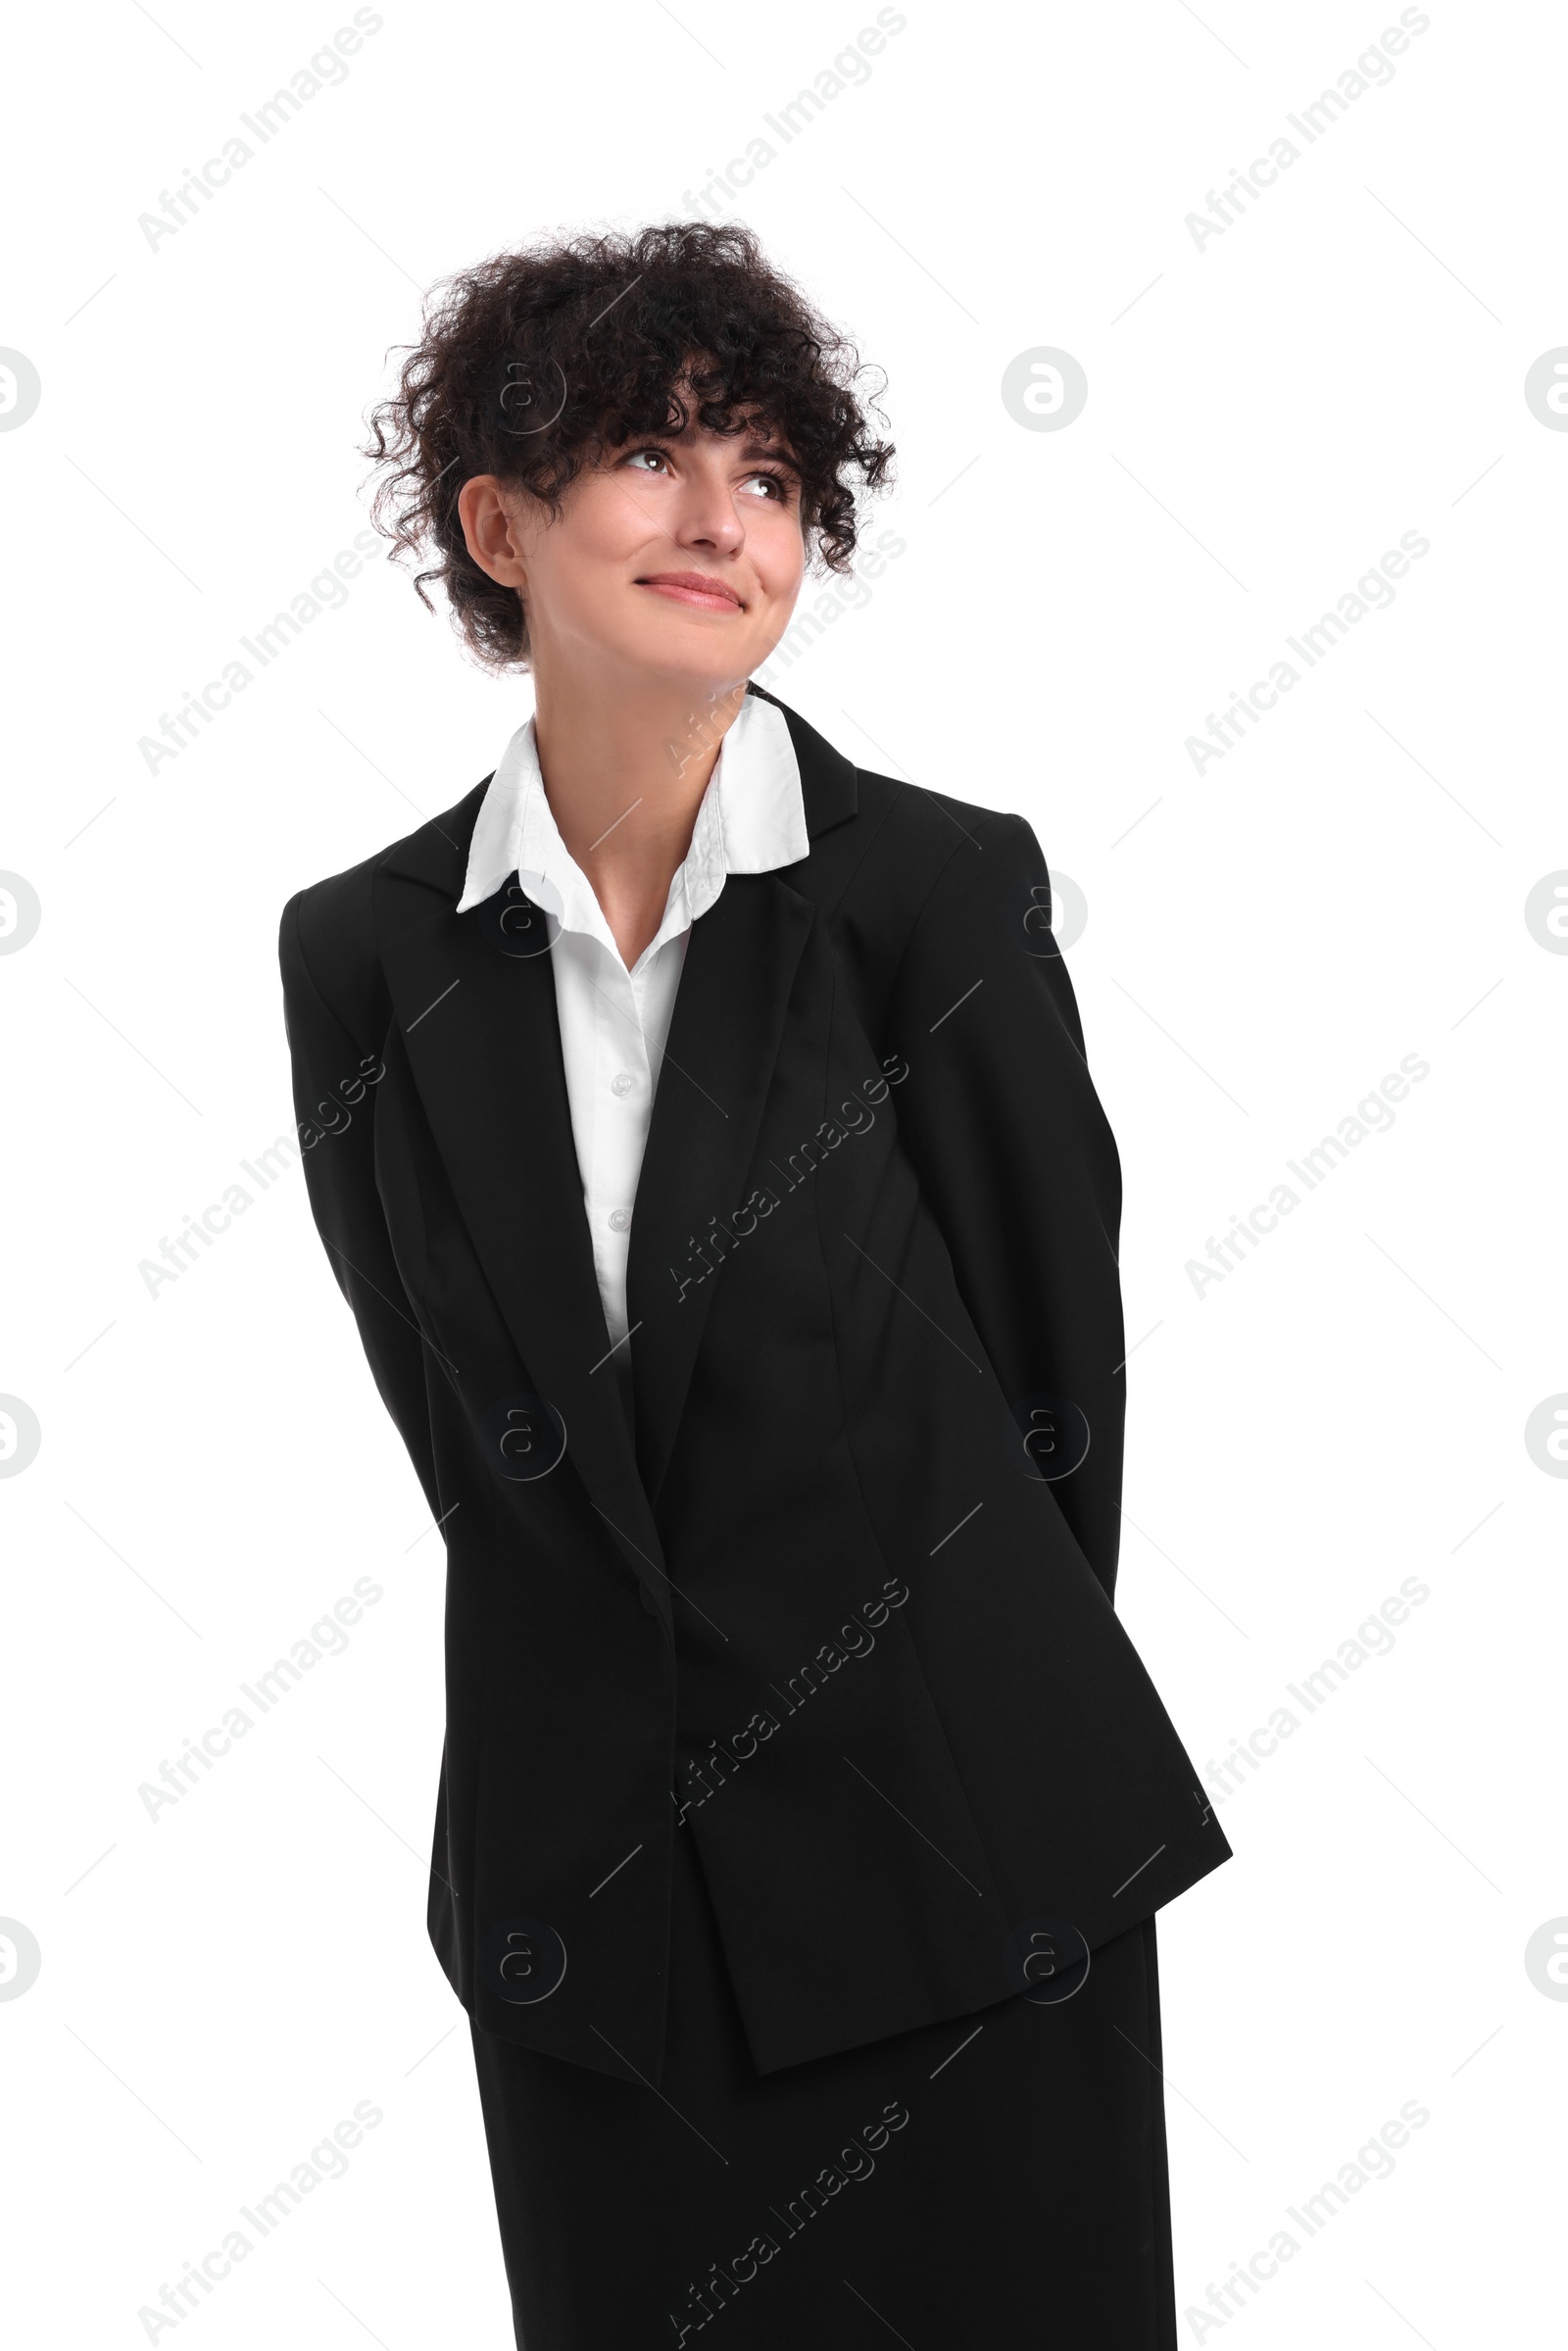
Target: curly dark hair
536, 363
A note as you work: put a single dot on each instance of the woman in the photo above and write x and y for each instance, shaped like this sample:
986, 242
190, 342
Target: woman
699, 1132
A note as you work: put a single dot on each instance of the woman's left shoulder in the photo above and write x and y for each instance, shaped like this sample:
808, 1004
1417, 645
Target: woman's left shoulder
920, 848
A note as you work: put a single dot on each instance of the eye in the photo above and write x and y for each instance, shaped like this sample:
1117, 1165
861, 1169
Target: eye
633, 455
778, 485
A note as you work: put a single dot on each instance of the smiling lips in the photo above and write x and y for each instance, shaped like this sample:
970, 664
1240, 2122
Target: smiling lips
696, 588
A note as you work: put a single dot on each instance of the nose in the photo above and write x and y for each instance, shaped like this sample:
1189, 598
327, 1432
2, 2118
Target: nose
707, 515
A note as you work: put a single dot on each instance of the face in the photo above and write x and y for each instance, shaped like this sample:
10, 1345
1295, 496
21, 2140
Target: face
674, 557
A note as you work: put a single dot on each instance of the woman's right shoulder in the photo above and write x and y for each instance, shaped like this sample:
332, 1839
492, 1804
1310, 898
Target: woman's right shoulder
327, 934
326, 943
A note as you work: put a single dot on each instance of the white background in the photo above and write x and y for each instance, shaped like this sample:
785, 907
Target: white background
1266, 415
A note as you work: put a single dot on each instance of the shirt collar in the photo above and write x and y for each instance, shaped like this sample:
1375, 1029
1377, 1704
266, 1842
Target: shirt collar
752, 819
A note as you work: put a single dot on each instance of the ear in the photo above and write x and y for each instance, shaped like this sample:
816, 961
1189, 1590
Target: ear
490, 530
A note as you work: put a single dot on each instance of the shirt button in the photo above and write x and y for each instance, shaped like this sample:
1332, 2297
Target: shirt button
620, 1219
622, 1082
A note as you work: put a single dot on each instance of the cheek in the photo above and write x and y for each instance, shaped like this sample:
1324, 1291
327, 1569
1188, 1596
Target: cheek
777, 550
591, 543
622, 513
603, 522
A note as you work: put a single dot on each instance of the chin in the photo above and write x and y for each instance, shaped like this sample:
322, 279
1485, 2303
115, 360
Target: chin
705, 662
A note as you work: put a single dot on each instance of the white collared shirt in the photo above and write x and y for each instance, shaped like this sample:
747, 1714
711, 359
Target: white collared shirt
615, 1022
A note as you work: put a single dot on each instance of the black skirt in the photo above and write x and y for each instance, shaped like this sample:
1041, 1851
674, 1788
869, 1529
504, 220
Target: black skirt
998, 2177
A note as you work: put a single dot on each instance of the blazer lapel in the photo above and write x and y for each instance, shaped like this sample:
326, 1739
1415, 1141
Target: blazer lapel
478, 1020
479, 1024
718, 1063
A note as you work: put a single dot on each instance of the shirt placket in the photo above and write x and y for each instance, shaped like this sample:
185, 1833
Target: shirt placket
620, 1107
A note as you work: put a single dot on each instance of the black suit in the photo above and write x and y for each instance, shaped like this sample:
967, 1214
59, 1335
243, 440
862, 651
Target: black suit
874, 1252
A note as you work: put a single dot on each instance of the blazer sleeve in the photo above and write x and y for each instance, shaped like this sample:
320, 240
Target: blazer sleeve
1015, 1153
336, 1065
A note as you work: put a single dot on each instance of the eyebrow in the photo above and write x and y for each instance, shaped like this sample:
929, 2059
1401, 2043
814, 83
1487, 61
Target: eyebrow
772, 452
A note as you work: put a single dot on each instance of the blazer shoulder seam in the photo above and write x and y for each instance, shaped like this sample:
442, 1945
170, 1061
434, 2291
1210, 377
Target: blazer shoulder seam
996, 817
354, 944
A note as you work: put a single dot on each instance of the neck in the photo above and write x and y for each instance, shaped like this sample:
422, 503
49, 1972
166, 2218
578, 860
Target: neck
624, 771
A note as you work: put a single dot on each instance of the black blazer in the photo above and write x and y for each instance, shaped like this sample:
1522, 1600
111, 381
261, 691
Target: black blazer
839, 1605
